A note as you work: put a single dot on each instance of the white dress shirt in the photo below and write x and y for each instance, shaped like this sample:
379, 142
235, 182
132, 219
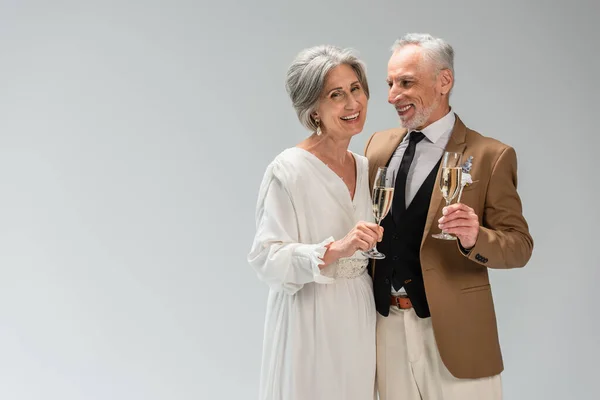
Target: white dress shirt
427, 153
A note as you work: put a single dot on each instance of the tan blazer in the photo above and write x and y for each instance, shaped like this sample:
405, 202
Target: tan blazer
457, 285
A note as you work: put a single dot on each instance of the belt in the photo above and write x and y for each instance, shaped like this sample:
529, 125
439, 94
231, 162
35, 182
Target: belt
402, 302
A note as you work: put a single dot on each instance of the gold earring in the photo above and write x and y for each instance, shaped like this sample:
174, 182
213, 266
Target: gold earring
318, 122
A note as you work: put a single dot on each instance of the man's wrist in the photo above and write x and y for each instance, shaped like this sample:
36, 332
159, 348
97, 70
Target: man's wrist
465, 250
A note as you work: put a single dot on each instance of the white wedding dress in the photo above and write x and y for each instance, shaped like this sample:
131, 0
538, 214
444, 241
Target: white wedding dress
319, 340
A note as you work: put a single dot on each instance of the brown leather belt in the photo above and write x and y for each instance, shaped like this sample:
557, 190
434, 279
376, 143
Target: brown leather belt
402, 302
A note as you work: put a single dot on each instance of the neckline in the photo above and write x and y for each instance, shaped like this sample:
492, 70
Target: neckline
357, 175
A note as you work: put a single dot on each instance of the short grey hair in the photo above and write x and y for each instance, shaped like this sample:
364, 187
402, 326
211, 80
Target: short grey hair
435, 49
306, 75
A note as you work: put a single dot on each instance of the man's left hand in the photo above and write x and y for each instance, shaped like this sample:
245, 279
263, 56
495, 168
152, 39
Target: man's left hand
461, 220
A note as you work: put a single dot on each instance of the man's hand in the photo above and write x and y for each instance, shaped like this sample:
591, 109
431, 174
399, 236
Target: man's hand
461, 220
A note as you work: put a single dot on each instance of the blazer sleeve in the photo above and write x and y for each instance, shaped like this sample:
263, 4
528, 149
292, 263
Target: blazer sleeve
504, 240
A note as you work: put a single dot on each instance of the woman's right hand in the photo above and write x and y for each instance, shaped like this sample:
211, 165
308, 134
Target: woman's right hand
363, 236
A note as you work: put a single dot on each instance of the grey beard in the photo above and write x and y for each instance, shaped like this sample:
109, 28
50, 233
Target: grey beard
421, 117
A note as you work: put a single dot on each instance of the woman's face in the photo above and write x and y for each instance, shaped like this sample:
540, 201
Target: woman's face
342, 107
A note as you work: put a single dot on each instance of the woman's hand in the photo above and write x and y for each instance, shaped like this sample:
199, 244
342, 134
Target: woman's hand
363, 236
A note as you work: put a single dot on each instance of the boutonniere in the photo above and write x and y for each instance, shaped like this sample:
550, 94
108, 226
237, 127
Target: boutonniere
465, 179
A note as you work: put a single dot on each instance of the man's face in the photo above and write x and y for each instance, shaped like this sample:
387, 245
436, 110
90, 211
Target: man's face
417, 88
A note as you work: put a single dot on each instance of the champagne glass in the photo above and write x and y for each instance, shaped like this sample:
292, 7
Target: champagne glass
450, 184
383, 193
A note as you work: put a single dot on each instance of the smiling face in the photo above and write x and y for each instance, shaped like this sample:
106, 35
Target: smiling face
417, 88
342, 108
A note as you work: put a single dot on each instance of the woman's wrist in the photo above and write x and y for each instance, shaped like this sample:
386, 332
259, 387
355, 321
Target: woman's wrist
332, 254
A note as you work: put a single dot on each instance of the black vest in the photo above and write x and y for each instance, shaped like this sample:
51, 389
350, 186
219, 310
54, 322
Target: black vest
401, 245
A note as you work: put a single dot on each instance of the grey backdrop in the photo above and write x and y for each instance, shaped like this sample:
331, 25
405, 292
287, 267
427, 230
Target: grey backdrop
133, 138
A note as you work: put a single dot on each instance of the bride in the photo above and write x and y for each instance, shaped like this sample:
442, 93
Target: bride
313, 218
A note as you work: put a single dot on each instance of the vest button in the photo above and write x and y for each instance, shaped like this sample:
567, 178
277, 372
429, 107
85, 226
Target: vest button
395, 258
395, 237
387, 281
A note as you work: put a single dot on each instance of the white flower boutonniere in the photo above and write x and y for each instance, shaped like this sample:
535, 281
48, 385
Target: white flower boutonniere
465, 179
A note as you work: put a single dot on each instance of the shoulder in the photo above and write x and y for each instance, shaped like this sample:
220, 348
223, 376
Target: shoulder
385, 135
475, 138
487, 144
289, 157
361, 161
382, 139
489, 148
279, 175
286, 166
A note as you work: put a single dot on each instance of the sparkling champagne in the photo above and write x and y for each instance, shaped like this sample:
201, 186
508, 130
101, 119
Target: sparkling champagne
383, 192
450, 182
382, 201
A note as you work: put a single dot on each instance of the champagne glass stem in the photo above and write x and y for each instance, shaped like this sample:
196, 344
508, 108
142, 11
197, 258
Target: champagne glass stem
447, 204
378, 224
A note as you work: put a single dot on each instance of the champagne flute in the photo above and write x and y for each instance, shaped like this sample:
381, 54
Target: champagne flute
383, 193
450, 184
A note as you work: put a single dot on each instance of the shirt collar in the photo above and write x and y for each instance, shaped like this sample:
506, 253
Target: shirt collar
442, 128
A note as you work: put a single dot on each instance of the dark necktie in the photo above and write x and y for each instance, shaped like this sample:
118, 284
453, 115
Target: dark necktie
399, 201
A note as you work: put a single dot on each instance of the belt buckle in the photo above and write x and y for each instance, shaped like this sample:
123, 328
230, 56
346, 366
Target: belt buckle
397, 300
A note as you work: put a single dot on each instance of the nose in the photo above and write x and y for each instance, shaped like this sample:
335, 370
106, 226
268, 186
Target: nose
393, 94
351, 103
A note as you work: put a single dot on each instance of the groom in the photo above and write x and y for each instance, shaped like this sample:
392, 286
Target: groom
436, 326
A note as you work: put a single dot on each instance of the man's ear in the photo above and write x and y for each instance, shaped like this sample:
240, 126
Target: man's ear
447, 80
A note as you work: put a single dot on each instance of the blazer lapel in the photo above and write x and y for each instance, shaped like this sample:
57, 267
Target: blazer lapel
457, 144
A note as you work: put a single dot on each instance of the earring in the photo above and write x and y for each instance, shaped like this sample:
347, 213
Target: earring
318, 122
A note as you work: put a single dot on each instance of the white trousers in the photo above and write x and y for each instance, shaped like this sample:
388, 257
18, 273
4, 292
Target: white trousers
409, 366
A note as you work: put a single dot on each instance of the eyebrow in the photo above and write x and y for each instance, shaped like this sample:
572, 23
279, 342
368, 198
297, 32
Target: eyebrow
340, 88
401, 77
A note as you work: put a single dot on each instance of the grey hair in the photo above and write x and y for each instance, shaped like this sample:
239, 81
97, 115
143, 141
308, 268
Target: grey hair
435, 49
306, 75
